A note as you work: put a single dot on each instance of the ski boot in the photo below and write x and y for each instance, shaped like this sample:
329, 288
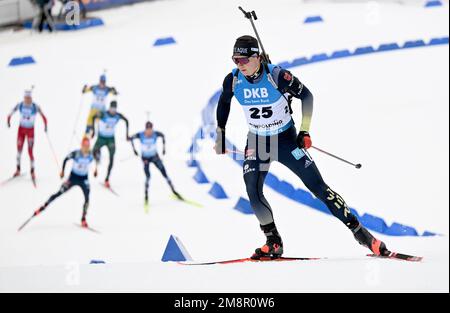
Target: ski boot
84, 224
177, 195
366, 239
17, 172
33, 177
107, 184
146, 204
273, 249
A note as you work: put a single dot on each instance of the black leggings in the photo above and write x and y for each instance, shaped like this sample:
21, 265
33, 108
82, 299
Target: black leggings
74, 180
284, 149
110, 143
45, 16
160, 166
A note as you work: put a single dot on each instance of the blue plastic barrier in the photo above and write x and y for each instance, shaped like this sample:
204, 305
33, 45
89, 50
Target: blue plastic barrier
103, 4
200, 177
299, 62
397, 229
414, 44
218, 192
285, 189
22, 61
199, 134
364, 50
388, 47
192, 163
354, 212
243, 206
194, 148
373, 222
320, 206
284, 64
164, 41
272, 181
63, 26
340, 54
439, 41
431, 4
319, 57
175, 251
97, 262
313, 19
303, 197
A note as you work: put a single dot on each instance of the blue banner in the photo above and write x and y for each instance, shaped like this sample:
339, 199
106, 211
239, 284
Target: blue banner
103, 4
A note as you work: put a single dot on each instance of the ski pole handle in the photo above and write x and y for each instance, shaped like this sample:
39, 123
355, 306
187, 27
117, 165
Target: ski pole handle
358, 166
246, 14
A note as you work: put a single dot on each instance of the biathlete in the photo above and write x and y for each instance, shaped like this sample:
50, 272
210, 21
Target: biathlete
262, 90
28, 111
79, 176
106, 136
100, 94
149, 154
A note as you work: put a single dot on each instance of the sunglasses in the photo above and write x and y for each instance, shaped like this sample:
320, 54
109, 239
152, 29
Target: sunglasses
242, 61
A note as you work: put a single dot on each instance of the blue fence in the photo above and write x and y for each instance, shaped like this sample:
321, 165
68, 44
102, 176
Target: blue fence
103, 4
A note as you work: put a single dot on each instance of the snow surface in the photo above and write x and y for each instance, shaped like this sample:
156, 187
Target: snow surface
400, 135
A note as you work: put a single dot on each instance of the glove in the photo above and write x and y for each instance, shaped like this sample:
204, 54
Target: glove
9, 121
164, 151
95, 173
61, 174
45, 128
220, 141
304, 140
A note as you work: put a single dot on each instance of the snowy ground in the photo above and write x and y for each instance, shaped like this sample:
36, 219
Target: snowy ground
400, 135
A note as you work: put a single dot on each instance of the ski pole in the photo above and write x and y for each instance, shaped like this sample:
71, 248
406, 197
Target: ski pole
358, 166
128, 158
52, 149
252, 16
234, 152
237, 151
265, 57
74, 131
26, 222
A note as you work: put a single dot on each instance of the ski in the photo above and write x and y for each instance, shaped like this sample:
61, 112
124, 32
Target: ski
10, 179
193, 203
110, 189
246, 260
398, 256
87, 228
